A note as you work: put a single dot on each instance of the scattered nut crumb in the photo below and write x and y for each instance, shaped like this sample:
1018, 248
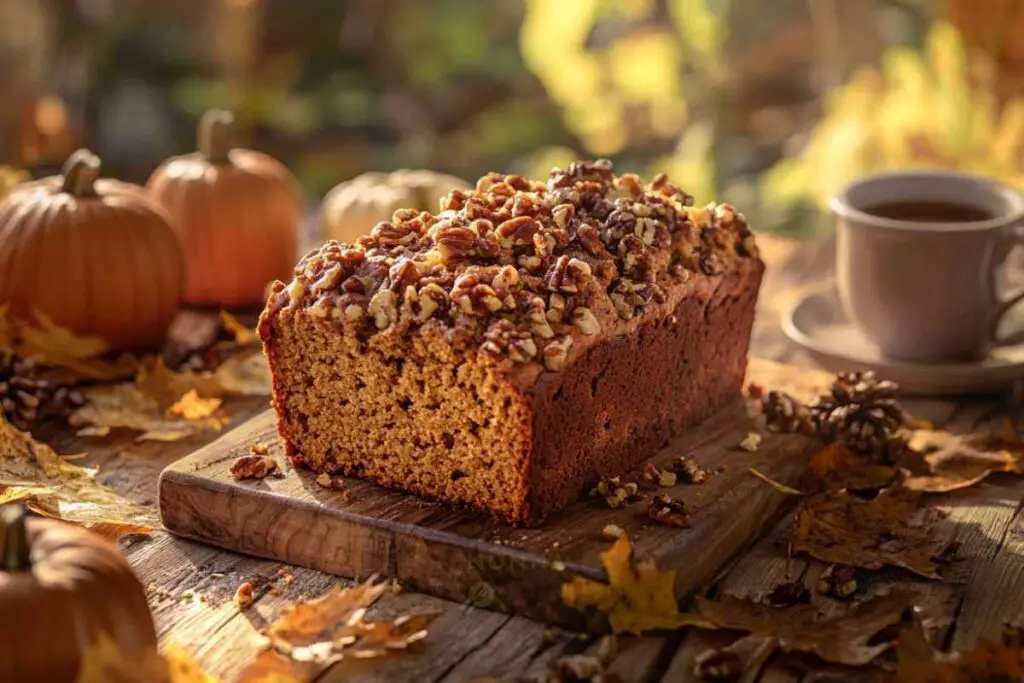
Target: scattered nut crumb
653, 477
255, 467
616, 492
217, 575
274, 591
259, 448
613, 531
244, 595
839, 581
558, 566
286, 576
324, 480
751, 442
691, 473
717, 665
667, 510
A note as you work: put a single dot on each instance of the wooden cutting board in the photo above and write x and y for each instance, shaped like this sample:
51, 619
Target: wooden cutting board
469, 557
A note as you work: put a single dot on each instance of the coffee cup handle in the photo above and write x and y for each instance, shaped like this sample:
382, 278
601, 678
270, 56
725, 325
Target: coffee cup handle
1014, 238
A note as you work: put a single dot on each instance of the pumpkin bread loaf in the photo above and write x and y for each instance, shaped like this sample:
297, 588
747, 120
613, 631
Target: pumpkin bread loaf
526, 340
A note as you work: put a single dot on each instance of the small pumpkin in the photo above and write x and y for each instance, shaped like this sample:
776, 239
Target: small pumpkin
352, 208
61, 586
95, 255
240, 212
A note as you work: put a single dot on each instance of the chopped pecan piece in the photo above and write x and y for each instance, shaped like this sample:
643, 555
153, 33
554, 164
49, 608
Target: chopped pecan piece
666, 510
255, 467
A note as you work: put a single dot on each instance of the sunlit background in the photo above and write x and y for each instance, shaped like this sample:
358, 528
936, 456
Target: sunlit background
771, 105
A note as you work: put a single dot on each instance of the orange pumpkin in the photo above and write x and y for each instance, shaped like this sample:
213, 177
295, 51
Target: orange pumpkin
97, 256
61, 587
240, 212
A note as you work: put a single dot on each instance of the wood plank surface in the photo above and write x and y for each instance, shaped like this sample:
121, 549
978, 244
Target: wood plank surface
468, 557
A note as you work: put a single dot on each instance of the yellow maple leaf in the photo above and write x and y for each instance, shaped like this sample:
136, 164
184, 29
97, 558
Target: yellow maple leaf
191, 407
102, 662
32, 473
638, 597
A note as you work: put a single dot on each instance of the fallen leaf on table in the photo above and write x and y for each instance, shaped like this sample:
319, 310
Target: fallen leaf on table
162, 404
245, 375
32, 473
892, 529
638, 597
243, 335
191, 407
778, 486
844, 639
102, 662
917, 661
47, 343
947, 462
310, 636
837, 467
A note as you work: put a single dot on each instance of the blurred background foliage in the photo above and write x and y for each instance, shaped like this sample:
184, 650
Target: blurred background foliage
772, 106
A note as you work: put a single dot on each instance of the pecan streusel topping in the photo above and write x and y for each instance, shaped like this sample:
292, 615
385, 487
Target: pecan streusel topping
521, 268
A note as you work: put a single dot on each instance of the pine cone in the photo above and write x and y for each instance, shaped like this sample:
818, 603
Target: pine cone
26, 397
863, 414
783, 413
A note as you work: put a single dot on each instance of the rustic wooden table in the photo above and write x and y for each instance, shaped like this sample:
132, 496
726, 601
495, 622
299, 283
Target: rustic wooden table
190, 586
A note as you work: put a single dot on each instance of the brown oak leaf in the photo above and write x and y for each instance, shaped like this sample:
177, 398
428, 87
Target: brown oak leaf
311, 636
892, 529
917, 661
941, 461
638, 597
837, 467
848, 638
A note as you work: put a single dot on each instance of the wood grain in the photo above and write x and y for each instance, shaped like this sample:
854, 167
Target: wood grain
469, 557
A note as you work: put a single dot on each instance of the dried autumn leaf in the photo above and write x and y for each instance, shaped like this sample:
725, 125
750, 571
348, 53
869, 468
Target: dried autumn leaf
191, 407
32, 473
638, 597
310, 636
47, 343
243, 335
843, 639
162, 404
918, 662
52, 343
947, 462
102, 662
778, 486
244, 375
837, 467
892, 529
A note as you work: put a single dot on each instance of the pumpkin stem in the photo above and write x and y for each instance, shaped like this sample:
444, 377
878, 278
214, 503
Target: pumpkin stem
15, 554
80, 172
214, 135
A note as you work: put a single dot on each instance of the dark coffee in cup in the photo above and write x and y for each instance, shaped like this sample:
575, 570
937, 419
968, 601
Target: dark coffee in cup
930, 212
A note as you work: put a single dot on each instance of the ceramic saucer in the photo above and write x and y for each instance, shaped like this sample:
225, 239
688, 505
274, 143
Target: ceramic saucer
818, 324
